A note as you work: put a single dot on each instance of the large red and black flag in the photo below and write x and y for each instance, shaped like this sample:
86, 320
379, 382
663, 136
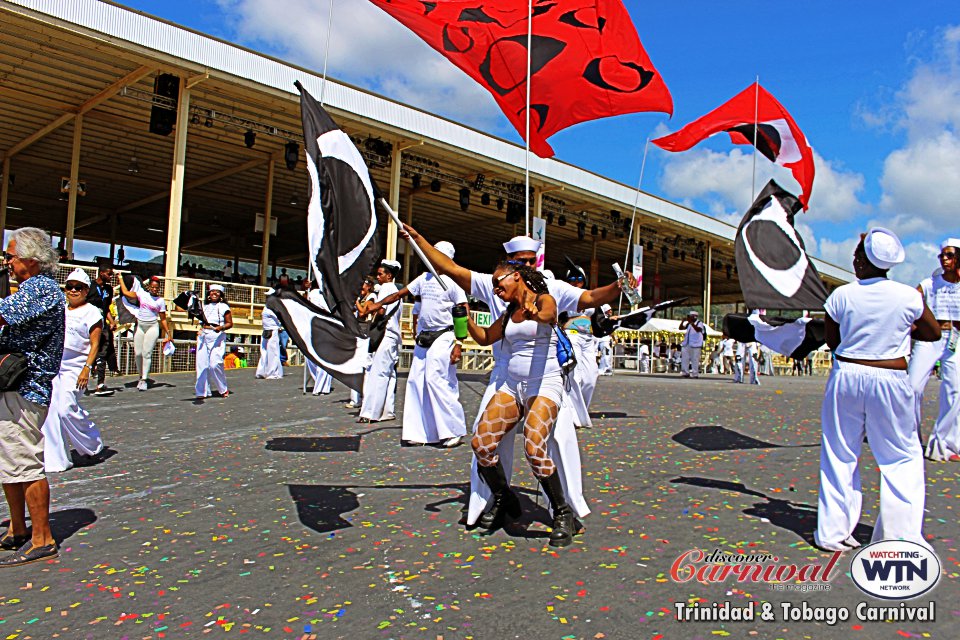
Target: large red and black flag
342, 240
776, 273
586, 58
753, 111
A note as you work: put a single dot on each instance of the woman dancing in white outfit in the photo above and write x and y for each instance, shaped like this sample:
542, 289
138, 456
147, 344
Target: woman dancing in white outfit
533, 390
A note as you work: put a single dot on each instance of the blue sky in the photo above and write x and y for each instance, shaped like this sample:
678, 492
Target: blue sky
875, 87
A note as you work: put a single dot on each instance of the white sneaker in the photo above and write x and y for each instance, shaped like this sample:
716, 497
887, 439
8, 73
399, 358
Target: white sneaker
351, 405
142, 385
450, 443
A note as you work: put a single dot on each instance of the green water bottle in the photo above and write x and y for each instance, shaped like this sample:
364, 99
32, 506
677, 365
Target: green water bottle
460, 322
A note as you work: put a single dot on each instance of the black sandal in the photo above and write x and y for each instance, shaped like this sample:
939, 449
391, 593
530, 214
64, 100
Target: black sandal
29, 554
11, 542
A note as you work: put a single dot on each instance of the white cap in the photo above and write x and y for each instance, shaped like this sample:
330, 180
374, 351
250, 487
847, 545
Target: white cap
950, 242
548, 274
169, 349
521, 243
883, 248
79, 275
393, 264
216, 287
271, 291
695, 313
445, 248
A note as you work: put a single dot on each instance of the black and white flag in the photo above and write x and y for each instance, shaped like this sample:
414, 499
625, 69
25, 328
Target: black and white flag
342, 241
776, 273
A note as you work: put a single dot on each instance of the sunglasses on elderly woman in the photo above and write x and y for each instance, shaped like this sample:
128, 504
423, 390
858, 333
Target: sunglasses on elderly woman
75, 286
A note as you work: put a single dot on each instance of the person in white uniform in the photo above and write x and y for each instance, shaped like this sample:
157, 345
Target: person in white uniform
151, 317
67, 422
322, 380
726, 344
579, 329
751, 356
212, 344
868, 327
941, 292
533, 390
431, 410
380, 382
691, 345
739, 354
269, 367
605, 347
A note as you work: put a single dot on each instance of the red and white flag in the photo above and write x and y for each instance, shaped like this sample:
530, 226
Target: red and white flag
778, 137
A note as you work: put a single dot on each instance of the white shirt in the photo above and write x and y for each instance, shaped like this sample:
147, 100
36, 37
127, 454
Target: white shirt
533, 350
644, 351
215, 313
270, 320
150, 307
942, 297
692, 337
875, 316
76, 335
481, 288
727, 346
435, 302
393, 325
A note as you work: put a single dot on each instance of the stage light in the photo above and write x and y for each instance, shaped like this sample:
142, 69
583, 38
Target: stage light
603, 233
464, 199
549, 217
664, 253
676, 253
195, 119
562, 220
435, 185
649, 245
485, 199
134, 166
499, 204
415, 181
291, 154
249, 138
294, 201
478, 183
581, 230
594, 230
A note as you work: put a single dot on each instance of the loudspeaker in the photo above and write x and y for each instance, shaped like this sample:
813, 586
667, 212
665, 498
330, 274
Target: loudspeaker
162, 119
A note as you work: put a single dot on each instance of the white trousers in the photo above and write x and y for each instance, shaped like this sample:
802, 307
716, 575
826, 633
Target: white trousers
945, 438
269, 365
431, 407
690, 361
879, 403
211, 346
754, 369
563, 447
584, 379
67, 422
380, 383
322, 381
737, 369
144, 340
606, 364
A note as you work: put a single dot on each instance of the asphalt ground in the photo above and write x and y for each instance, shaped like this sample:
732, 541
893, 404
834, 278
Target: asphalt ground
273, 514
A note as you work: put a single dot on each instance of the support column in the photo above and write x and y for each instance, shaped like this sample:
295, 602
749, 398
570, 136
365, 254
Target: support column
408, 218
594, 265
4, 195
74, 185
396, 153
267, 214
113, 234
707, 283
177, 181
537, 202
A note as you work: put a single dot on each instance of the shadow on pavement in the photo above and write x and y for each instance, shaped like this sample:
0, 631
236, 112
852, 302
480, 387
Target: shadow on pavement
325, 444
718, 438
66, 522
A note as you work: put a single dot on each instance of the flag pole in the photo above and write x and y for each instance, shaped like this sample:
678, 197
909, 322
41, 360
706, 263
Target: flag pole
326, 52
526, 189
633, 215
416, 249
756, 127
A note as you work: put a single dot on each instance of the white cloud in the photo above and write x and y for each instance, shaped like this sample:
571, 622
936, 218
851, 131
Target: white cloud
367, 48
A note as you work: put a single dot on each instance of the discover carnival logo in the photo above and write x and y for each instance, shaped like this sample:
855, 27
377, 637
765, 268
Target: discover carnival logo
895, 569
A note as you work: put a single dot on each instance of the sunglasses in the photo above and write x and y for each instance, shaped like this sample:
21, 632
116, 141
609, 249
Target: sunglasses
518, 262
948, 255
9, 257
74, 287
496, 282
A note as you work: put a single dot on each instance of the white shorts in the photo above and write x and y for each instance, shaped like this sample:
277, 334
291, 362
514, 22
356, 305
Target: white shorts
524, 391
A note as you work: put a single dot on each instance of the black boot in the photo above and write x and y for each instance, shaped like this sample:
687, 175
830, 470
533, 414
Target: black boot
563, 527
504, 501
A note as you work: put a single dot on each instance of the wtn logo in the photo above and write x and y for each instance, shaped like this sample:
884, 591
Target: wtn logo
895, 569
903, 570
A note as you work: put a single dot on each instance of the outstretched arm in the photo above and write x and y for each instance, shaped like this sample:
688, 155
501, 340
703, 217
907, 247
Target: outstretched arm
485, 336
377, 307
444, 265
603, 295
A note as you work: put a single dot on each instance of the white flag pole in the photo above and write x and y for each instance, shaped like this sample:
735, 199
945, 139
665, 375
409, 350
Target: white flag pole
756, 127
526, 190
633, 215
326, 51
416, 249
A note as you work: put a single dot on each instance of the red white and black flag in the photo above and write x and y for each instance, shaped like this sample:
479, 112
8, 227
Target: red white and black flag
342, 240
776, 273
586, 59
778, 137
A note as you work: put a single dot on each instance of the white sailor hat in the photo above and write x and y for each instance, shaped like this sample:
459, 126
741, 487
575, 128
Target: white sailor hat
950, 242
445, 248
393, 264
79, 275
521, 243
216, 287
883, 248
695, 313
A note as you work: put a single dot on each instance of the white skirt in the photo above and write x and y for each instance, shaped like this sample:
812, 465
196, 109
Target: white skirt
67, 422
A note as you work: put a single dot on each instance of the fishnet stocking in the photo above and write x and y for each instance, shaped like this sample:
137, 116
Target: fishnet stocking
541, 416
498, 419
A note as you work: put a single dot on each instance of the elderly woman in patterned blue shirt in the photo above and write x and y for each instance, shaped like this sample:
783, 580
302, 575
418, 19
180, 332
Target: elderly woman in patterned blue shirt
32, 323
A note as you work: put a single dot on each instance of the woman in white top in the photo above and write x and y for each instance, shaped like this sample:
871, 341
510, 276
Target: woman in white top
66, 420
212, 344
269, 367
533, 390
941, 292
868, 326
151, 316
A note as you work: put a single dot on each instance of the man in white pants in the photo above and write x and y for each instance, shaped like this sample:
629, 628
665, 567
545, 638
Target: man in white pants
941, 292
431, 409
380, 382
691, 345
868, 325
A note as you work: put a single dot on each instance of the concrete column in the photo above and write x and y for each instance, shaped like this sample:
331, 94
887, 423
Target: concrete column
407, 252
74, 185
177, 180
594, 265
113, 234
267, 214
707, 283
4, 195
395, 158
